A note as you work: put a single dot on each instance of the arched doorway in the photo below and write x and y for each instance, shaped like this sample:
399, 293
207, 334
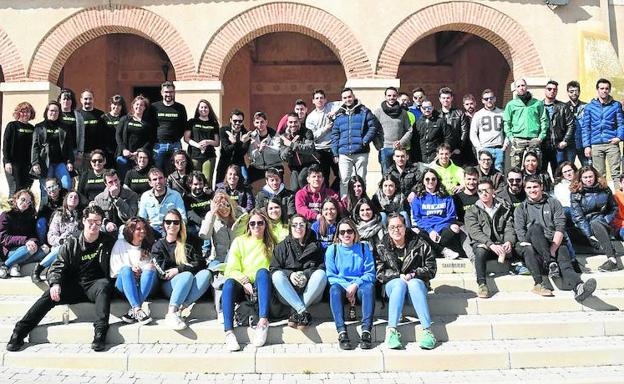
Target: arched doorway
463, 61
273, 70
128, 65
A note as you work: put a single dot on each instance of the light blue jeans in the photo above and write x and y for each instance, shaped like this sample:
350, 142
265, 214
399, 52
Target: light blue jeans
136, 294
186, 288
50, 257
21, 256
396, 290
312, 292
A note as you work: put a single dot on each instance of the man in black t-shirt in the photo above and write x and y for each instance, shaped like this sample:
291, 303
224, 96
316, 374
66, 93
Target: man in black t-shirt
170, 121
95, 132
468, 196
80, 273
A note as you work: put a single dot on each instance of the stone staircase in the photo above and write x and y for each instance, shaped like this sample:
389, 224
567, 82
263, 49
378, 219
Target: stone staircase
514, 329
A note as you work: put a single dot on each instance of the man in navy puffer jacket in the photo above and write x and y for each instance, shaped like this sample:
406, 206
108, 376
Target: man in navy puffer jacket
602, 130
354, 129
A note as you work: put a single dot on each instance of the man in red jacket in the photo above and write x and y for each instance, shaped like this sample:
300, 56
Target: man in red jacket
309, 199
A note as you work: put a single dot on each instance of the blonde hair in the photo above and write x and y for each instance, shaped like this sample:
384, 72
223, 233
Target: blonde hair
180, 249
267, 235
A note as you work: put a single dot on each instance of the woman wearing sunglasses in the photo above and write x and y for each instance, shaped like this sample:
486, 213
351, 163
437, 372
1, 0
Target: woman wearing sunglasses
433, 211
247, 275
297, 271
350, 269
181, 268
18, 235
405, 265
92, 182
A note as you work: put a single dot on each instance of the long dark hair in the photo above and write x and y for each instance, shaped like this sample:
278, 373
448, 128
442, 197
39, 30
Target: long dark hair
577, 183
421, 191
559, 171
212, 116
128, 232
397, 183
351, 198
323, 224
355, 215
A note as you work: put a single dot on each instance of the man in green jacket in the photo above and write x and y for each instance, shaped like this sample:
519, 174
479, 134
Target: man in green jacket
526, 123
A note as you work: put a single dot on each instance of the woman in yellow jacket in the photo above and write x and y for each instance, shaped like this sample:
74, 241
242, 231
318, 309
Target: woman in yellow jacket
247, 275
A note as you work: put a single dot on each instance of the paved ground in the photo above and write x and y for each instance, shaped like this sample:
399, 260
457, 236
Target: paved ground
594, 375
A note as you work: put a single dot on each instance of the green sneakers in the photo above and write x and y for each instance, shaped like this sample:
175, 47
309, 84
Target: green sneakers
428, 340
393, 339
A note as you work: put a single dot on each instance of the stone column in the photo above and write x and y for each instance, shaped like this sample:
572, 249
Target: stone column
38, 94
370, 92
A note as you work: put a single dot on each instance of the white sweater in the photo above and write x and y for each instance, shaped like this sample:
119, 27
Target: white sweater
486, 128
123, 254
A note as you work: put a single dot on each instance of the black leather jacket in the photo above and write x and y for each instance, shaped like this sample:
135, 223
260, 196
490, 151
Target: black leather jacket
68, 261
418, 257
459, 126
427, 134
562, 125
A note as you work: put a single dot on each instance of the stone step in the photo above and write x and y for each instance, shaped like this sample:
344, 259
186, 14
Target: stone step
442, 283
446, 328
320, 358
439, 304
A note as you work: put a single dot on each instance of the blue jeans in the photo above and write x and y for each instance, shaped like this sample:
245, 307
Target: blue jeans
233, 292
58, 170
42, 230
311, 294
135, 293
385, 159
396, 290
566, 154
499, 158
186, 288
163, 151
21, 256
50, 257
123, 165
366, 295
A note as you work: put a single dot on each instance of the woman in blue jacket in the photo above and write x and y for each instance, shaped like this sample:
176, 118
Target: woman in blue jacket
433, 211
593, 208
350, 269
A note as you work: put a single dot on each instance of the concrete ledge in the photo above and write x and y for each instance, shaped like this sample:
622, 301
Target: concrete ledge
410, 361
106, 361
239, 362
337, 362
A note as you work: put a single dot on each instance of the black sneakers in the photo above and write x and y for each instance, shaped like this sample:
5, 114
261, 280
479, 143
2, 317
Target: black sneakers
366, 340
553, 270
99, 341
36, 273
608, 266
15, 343
344, 342
584, 290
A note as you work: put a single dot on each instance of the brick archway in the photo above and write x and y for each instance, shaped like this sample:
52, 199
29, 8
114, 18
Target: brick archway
497, 28
84, 26
10, 59
284, 17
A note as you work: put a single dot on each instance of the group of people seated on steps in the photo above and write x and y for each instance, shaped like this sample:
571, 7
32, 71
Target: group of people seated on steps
270, 251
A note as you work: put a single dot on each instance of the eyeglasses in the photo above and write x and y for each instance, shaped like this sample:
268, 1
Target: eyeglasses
97, 161
427, 108
24, 200
343, 232
259, 223
297, 225
393, 228
94, 222
224, 204
237, 121
491, 98
484, 191
431, 179
515, 181
172, 222
52, 188
180, 161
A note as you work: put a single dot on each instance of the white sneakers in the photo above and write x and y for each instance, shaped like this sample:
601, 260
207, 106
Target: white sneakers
173, 321
231, 344
261, 335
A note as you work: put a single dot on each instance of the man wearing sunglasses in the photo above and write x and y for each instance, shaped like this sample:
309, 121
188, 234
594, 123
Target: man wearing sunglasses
514, 193
80, 273
525, 122
486, 130
234, 145
429, 132
559, 145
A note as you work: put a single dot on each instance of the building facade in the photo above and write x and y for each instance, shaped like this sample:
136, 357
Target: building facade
262, 55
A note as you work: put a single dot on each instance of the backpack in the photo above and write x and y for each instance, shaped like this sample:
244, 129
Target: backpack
246, 314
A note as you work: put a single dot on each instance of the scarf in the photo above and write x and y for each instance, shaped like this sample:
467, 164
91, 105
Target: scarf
392, 111
370, 228
389, 205
525, 98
